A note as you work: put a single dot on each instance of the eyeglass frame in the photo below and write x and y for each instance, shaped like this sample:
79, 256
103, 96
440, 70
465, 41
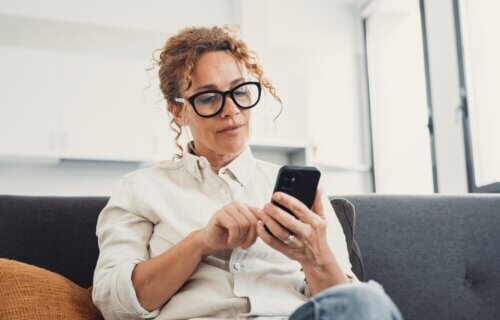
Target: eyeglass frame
224, 94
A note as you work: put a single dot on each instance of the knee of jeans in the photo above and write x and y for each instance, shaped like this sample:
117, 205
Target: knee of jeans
369, 294
364, 297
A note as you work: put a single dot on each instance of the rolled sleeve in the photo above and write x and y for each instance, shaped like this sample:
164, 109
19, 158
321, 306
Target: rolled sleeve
126, 299
123, 235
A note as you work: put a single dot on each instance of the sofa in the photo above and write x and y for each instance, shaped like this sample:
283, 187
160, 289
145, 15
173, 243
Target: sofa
437, 256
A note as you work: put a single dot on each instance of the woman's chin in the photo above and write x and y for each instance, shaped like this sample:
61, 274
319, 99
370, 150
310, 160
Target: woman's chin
234, 146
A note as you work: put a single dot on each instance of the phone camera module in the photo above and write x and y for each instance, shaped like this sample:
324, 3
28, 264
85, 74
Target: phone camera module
288, 180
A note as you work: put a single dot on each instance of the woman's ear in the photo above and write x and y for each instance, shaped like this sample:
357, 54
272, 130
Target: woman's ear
178, 114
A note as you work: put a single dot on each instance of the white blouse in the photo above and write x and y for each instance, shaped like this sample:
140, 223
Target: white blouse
152, 209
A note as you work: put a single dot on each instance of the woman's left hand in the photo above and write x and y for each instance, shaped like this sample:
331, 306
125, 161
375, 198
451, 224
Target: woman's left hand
308, 227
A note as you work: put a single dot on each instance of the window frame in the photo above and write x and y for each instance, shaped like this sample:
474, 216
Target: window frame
464, 107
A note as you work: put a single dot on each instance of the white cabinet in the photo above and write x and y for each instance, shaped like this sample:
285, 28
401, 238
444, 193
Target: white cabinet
30, 122
103, 110
70, 105
85, 99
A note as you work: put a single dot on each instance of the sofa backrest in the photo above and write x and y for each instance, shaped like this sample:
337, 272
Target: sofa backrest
58, 233
437, 256
55, 233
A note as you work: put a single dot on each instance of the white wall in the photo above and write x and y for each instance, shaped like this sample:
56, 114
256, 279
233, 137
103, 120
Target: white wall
61, 178
313, 53
149, 15
74, 86
62, 59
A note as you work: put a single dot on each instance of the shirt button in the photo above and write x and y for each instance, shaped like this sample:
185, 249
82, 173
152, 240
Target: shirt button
236, 266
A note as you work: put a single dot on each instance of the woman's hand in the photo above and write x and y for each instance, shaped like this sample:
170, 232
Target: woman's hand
309, 246
234, 225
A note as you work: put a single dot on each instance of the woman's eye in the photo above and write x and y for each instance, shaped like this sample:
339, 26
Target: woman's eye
206, 99
240, 92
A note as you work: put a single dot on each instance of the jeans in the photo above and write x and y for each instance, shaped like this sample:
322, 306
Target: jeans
349, 301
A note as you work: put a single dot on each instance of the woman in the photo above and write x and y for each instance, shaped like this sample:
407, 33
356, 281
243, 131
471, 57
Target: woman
186, 238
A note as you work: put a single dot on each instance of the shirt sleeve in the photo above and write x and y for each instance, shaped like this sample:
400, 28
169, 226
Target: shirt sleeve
123, 235
336, 237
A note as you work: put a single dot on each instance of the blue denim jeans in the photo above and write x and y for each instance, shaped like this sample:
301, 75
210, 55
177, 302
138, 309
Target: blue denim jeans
349, 301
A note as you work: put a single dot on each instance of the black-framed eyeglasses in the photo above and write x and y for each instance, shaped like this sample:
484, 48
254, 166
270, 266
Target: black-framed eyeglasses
211, 102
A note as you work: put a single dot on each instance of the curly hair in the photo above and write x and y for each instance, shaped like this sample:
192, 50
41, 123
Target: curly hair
178, 58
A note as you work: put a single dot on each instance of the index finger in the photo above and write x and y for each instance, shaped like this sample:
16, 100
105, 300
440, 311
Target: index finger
299, 209
254, 211
251, 234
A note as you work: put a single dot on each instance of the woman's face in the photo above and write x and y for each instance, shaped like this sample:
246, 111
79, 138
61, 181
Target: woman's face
218, 70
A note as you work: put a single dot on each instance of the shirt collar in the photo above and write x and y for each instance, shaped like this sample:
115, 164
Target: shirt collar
192, 163
241, 167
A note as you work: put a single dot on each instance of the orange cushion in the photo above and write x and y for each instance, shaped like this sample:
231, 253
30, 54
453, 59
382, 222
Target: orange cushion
29, 292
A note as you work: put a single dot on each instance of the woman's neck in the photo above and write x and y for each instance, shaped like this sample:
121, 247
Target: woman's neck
216, 160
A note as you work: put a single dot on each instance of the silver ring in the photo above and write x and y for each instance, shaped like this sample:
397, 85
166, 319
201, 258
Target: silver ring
289, 239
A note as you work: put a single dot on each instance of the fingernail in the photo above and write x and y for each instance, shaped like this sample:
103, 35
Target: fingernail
277, 196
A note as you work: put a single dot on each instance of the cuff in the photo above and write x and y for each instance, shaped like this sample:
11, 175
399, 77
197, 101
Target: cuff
305, 289
125, 297
352, 277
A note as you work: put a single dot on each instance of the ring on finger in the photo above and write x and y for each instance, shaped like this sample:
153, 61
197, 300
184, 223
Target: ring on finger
289, 239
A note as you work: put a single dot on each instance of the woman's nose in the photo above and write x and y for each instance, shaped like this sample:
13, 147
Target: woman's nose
230, 108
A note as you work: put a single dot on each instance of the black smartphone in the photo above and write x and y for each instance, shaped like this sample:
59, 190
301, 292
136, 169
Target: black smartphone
300, 182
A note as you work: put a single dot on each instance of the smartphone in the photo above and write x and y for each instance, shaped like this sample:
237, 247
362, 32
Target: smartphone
300, 182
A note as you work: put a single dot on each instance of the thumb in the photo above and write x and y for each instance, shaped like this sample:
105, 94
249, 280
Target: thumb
318, 204
255, 211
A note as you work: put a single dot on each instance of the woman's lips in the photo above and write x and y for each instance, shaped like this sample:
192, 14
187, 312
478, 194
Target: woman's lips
232, 130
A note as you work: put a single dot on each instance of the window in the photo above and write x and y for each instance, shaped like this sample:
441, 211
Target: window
398, 99
478, 40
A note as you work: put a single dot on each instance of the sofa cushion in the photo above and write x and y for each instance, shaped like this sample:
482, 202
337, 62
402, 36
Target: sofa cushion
346, 214
29, 292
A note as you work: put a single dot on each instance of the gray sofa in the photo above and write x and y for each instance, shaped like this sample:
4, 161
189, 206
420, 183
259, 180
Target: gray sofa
437, 256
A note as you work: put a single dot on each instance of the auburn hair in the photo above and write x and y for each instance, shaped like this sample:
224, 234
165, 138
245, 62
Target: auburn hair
178, 58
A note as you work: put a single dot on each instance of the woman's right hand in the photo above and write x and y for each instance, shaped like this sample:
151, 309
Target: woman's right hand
234, 225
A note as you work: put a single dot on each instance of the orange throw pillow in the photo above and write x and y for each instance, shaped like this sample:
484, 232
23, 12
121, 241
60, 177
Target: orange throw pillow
29, 292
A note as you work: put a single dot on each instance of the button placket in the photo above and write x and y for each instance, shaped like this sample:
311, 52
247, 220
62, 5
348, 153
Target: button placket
225, 187
237, 259
234, 261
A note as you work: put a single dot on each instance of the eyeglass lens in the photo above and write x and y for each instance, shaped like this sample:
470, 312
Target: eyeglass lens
209, 103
